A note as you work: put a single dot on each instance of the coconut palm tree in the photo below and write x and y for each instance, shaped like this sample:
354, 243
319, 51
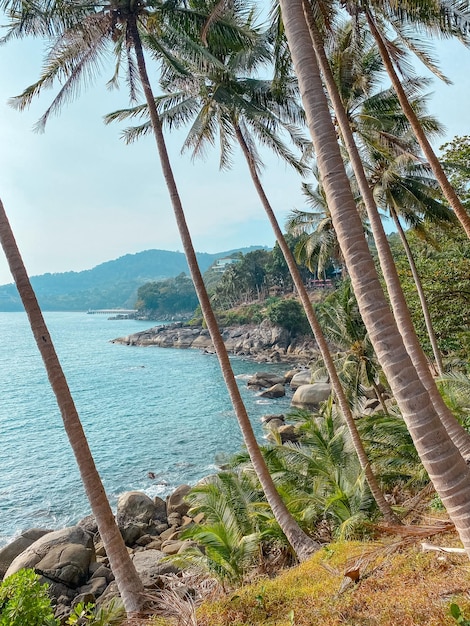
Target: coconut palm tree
383, 136
245, 109
129, 584
76, 50
437, 451
442, 18
459, 436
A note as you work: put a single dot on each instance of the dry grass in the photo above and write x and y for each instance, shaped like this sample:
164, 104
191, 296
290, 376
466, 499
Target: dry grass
389, 582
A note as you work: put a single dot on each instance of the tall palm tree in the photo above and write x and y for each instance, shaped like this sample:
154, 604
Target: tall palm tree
76, 50
393, 159
442, 460
129, 584
400, 308
444, 19
237, 105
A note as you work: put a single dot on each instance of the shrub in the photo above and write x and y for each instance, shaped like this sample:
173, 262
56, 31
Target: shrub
24, 601
290, 315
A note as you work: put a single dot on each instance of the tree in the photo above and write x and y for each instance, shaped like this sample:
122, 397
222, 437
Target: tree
437, 451
80, 41
235, 105
400, 309
448, 18
129, 584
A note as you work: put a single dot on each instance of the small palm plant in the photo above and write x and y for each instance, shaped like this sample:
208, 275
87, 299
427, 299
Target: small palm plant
237, 523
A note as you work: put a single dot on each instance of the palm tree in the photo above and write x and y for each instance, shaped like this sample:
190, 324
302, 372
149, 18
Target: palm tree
76, 50
357, 364
129, 584
393, 160
442, 18
459, 436
237, 105
439, 455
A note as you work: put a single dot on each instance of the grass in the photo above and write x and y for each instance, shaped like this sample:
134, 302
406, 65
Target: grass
397, 584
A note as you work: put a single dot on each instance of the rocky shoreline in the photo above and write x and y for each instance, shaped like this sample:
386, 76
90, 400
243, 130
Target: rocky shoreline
73, 560
263, 342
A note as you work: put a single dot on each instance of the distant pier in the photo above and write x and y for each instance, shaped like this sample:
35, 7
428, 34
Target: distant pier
116, 312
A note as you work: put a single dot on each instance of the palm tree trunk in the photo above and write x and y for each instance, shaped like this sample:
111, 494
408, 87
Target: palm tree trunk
458, 434
382, 503
441, 459
447, 189
421, 296
302, 545
128, 582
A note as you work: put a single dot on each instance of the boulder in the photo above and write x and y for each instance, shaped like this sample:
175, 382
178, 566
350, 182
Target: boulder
135, 512
9, 552
311, 396
276, 391
150, 567
63, 556
304, 377
175, 502
261, 380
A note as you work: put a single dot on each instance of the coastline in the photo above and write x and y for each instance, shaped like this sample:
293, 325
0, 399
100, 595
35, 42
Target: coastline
263, 343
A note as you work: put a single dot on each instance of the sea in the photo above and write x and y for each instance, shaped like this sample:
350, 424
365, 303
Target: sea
155, 418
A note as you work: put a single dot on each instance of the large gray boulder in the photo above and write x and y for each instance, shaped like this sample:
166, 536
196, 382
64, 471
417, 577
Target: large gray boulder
150, 566
9, 552
135, 513
311, 396
64, 556
261, 380
276, 391
304, 377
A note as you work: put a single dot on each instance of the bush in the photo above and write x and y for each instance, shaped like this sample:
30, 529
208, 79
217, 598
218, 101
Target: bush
290, 315
25, 602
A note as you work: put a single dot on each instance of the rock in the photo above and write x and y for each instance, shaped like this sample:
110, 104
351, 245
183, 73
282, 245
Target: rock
176, 503
275, 424
310, 396
149, 566
268, 418
287, 433
261, 380
9, 552
160, 509
304, 377
173, 546
63, 555
174, 519
135, 511
276, 391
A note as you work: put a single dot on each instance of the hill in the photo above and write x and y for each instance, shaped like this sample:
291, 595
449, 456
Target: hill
112, 284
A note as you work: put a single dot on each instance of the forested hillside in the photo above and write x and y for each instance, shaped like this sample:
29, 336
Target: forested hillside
109, 285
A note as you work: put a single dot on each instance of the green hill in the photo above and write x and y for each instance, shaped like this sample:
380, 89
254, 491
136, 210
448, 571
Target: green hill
112, 284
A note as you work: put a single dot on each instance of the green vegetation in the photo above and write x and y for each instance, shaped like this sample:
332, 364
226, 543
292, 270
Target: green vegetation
24, 601
173, 296
443, 262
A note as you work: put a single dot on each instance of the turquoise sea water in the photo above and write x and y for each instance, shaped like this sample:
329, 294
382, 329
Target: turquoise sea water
144, 410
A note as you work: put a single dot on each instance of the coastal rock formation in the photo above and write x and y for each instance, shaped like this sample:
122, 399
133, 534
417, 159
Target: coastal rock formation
73, 560
264, 342
310, 396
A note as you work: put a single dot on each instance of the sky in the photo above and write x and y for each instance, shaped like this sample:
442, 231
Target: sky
77, 195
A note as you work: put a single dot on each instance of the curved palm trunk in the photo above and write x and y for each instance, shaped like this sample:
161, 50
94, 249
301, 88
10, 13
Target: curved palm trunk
382, 503
447, 189
129, 584
458, 434
302, 545
421, 296
441, 459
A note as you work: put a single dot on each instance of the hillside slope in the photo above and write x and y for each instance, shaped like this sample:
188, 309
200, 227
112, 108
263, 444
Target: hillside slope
112, 284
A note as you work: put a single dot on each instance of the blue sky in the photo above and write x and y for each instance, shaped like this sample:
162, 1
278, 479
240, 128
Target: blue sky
77, 196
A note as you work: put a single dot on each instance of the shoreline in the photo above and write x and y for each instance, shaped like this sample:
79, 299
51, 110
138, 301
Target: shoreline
263, 343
